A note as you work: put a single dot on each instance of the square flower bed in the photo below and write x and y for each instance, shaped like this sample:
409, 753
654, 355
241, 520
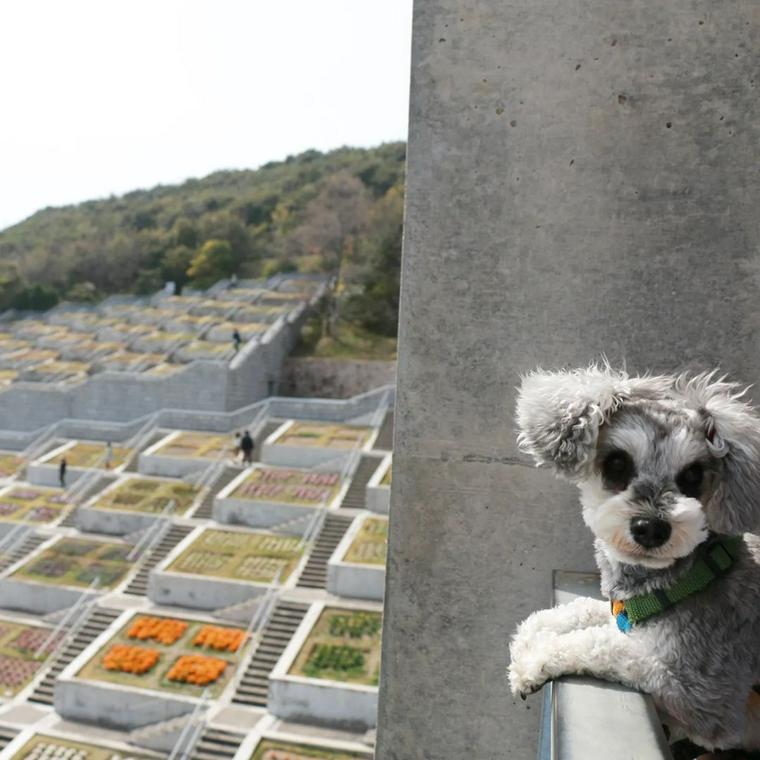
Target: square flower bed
27, 357
264, 497
55, 371
19, 662
160, 341
148, 495
32, 504
175, 655
44, 747
329, 671
275, 749
240, 555
76, 562
288, 486
203, 349
162, 370
222, 332
261, 314
128, 361
7, 376
370, 546
344, 645
88, 454
212, 569
357, 566
196, 446
323, 435
189, 323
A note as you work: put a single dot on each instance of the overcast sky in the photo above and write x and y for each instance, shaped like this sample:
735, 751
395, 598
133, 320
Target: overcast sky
101, 97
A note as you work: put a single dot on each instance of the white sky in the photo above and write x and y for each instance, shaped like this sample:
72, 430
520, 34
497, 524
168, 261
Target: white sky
107, 96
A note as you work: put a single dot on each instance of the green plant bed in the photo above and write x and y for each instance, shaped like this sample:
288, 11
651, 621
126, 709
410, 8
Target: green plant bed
287, 486
196, 446
344, 645
386, 481
156, 678
237, 555
19, 662
205, 349
370, 547
91, 454
32, 504
42, 746
324, 435
150, 496
277, 750
10, 464
76, 562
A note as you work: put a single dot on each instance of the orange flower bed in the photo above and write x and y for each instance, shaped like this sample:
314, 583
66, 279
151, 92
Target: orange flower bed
163, 630
196, 669
220, 639
128, 659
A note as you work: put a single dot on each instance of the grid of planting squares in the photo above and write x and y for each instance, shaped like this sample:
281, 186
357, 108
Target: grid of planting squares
148, 495
196, 446
344, 645
32, 504
324, 435
169, 654
370, 547
43, 747
288, 486
270, 749
23, 650
78, 562
91, 454
240, 555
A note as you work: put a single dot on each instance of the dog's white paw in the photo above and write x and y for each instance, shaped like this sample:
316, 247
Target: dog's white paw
530, 654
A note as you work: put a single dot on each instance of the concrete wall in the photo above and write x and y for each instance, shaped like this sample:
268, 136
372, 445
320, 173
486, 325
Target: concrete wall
333, 378
581, 178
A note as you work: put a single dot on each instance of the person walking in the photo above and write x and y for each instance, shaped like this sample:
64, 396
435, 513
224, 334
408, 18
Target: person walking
246, 446
62, 472
237, 450
237, 339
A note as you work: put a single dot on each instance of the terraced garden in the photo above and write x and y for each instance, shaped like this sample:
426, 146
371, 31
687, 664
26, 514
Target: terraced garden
344, 645
302, 487
148, 495
169, 654
42, 747
269, 749
238, 555
370, 547
77, 562
32, 504
324, 435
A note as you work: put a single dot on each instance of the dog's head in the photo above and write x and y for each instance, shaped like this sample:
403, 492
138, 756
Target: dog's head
659, 461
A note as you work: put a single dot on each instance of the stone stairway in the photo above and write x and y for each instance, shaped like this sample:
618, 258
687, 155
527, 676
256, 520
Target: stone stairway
314, 575
23, 548
356, 494
97, 621
138, 586
216, 744
253, 689
98, 485
384, 440
204, 510
7, 735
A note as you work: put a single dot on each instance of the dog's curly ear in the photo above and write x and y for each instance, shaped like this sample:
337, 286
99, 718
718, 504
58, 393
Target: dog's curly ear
732, 428
559, 413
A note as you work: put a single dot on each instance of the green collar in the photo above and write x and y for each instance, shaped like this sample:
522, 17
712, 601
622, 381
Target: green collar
718, 557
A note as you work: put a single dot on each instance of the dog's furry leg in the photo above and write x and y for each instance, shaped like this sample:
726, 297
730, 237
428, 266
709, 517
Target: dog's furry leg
582, 612
601, 651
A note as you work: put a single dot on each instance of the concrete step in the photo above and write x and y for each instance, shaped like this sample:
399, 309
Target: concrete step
254, 685
384, 440
216, 744
138, 586
355, 497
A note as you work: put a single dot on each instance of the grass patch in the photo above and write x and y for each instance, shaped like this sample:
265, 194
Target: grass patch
149, 496
347, 341
370, 547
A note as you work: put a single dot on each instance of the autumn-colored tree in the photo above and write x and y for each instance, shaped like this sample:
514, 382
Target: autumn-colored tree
214, 261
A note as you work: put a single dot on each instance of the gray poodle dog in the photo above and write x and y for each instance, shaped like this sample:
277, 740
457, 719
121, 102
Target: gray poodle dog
669, 475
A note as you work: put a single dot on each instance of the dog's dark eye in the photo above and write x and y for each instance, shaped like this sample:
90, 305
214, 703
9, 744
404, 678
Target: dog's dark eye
617, 470
689, 480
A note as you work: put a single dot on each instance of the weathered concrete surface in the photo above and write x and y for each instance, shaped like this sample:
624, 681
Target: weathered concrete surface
582, 178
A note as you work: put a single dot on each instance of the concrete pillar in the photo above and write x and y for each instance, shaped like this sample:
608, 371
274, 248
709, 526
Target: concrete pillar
583, 177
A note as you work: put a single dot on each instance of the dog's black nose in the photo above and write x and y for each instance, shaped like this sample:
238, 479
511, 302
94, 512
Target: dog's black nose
650, 532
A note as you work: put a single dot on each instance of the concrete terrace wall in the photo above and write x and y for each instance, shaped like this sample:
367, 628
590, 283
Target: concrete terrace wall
333, 378
582, 177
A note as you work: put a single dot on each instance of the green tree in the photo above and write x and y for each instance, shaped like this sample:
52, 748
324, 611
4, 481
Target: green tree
174, 267
214, 261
